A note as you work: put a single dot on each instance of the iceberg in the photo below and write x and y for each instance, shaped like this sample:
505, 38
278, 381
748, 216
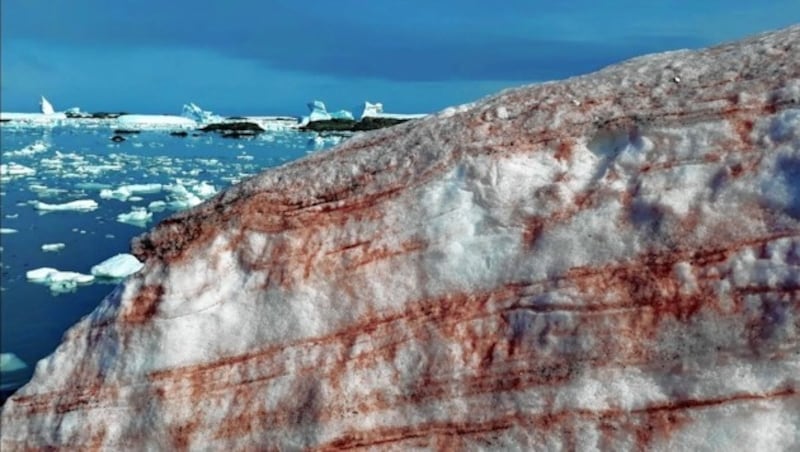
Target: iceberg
120, 266
10, 362
375, 110
8, 231
46, 107
198, 115
318, 112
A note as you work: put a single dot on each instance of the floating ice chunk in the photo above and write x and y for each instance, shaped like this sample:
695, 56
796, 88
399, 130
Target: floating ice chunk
29, 150
8, 231
204, 190
117, 267
157, 206
58, 281
53, 247
81, 205
40, 274
124, 192
12, 170
10, 362
60, 277
181, 198
138, 216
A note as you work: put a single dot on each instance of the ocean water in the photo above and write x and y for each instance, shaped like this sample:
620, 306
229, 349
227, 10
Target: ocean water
77, 163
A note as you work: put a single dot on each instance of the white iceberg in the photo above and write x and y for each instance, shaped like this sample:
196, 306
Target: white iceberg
81, 205
46, 107
10, 362
117, 267
375, 110
8, 231
200, 116
318, 112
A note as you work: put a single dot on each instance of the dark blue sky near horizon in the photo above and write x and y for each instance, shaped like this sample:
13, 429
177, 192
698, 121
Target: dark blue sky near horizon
271, 57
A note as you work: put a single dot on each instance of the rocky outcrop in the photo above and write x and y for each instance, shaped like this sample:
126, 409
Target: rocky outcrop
610, 262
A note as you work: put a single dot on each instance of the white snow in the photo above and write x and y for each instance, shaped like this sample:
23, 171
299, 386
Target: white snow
117, 267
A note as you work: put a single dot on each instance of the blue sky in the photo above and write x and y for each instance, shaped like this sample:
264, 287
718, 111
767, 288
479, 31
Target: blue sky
271, 57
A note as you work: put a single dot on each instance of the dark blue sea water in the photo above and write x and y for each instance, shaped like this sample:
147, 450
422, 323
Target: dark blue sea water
76, 163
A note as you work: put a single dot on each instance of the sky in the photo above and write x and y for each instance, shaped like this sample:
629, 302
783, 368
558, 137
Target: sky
271, 57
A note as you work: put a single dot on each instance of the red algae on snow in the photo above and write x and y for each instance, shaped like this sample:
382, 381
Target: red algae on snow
611, 262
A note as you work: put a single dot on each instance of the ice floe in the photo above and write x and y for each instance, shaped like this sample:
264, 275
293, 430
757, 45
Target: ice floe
58, 281
28, 151
53, 247
8, 231
117, 267
138, 216
124, 192
12, 170
80, 205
